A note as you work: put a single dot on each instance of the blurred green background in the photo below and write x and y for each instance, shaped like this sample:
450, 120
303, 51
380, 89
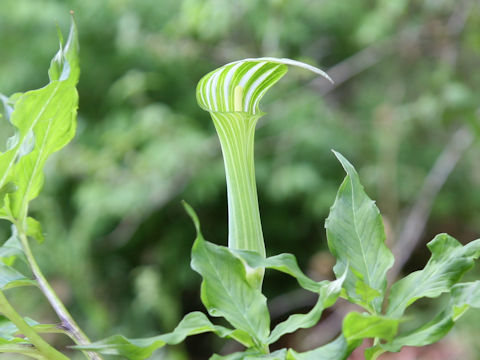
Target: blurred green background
405, 110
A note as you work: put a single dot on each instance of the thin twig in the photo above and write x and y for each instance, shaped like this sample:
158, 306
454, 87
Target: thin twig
67, 320
417, 218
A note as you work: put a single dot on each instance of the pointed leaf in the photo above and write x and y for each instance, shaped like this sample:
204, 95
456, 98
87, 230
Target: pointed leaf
287, 263
7, 107
449, 261
235, 356
226, 290
358, 326
276, 355
463, 297
34, 230
252, 355
9, 330
45, 122
328, 291
49, 114
139, 349
357, 239
65, 65
339, 349
239, 86
7, 188
12, 248
326, 298
10, 278
17, 345
372, 353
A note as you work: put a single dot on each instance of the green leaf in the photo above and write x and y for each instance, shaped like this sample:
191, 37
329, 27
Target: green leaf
45, 122
365, 292
339, 349
294, 322
372, 353
7, 107
49, 114
34, 230
286, 263
7, 188
10, 278
463, 297
139, 349
65, 65
235, 356
10, 342
23, 349
327, 296
357, 239
9, 330
358, 326
226, 290
449, 262
12, 249
328, 291
276, 355
252, 355
239, 86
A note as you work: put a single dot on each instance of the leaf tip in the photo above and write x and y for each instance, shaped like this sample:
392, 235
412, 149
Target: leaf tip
347, 166
193, 215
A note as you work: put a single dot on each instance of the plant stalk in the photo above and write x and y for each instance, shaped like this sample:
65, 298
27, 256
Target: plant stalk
43, 347
67, 320
236, 131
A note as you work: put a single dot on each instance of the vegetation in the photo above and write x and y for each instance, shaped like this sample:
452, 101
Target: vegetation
108, 195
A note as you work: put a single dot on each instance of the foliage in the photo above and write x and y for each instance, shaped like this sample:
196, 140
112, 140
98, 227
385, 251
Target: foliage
232, 282
110, 191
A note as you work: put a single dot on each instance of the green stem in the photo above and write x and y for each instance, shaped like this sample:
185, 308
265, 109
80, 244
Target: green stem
43, 347
266, 349
67, 320
236, 131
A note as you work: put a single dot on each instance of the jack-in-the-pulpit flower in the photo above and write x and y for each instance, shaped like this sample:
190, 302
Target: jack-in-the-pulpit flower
232, 94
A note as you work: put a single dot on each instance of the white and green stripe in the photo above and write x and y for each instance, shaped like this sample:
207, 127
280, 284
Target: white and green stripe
232, 95
236, 131
215, 91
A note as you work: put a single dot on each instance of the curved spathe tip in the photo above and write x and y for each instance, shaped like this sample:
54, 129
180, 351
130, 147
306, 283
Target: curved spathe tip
238, 86
290, 62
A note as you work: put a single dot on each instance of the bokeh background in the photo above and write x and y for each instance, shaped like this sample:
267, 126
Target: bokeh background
404, 110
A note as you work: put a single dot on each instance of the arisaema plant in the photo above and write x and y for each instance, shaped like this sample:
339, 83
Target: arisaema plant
232, 276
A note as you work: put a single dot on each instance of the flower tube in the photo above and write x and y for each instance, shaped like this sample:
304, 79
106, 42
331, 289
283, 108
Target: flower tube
232, 94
